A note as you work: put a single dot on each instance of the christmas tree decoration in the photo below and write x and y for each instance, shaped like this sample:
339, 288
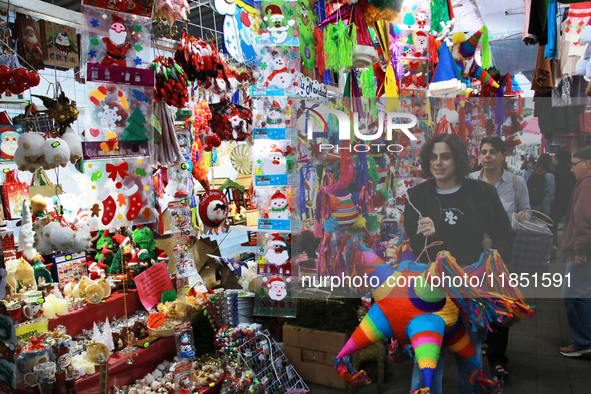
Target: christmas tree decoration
136, 131
409, 19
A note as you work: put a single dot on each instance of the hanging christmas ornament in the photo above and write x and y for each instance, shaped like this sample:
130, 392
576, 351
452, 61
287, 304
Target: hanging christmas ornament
463, 51
213, 208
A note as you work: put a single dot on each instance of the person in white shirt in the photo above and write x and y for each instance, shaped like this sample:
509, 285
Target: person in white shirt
512, 190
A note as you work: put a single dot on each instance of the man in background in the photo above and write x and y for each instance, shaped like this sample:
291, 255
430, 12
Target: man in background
576, 252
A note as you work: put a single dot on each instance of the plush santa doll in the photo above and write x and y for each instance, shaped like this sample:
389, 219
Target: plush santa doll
277, 163
95, 269
116, 43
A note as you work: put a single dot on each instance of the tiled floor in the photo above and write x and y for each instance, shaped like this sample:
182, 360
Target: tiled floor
535, 364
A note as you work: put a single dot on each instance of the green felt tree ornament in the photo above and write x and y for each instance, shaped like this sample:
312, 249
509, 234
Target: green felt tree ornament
136, 131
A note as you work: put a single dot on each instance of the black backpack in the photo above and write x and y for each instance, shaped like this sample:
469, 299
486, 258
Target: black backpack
536, 186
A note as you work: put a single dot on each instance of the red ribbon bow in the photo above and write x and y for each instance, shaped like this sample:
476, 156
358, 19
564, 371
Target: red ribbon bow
120, 170
408, 183
36, 343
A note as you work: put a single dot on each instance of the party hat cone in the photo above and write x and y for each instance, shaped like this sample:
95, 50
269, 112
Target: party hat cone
446, 79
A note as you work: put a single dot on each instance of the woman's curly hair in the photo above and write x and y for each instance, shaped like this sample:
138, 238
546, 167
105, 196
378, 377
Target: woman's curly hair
459, 151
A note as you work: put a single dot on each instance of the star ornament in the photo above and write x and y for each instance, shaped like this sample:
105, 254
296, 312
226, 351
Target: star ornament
137, 61
92, 53
94, 22
137, 28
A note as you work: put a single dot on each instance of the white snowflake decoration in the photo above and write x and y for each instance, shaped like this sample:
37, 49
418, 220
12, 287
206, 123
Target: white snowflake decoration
109, 117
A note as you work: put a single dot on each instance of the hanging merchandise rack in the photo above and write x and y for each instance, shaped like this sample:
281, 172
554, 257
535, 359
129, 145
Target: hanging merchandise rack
262, 355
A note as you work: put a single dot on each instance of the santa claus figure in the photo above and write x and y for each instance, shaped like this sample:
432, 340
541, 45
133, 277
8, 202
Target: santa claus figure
276, 24
279, 207
421, 19
421, 44
274, 117
277, 290
33, 50
95, 269
276, 253
276, 164
277, 74
116, 43
8, 144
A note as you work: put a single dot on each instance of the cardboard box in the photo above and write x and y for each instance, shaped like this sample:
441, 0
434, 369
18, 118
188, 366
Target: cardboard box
311, 352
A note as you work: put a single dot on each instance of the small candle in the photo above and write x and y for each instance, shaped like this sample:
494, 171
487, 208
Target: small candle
49, 310
62, 307
90, 369
81, 369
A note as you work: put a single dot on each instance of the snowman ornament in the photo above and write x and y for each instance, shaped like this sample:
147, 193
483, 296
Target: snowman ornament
277, 74
279, 207
185, 349
275, 117
276, 253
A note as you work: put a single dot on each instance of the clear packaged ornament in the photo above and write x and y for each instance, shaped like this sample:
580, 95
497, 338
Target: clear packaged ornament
180, 213
183, 378
185, 345
184, 261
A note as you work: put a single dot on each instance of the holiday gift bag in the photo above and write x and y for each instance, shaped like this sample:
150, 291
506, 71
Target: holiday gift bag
59, 44
41, 184
533, 241
14, 192
34, 121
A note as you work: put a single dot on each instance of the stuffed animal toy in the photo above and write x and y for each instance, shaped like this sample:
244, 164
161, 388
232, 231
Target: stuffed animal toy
143, 238
95, 269
414, 311
38, 206
74, 142
56, 152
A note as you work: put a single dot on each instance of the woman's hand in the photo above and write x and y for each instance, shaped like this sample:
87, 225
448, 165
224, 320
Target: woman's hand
522, 216
426, 227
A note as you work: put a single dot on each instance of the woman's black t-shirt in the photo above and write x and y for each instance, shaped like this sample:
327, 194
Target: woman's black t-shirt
458, 227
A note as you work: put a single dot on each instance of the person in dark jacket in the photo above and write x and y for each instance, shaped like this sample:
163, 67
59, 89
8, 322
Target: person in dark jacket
576, 253
564, 184
461, 213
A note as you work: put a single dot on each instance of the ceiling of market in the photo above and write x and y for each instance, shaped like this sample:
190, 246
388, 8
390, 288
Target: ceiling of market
504, 19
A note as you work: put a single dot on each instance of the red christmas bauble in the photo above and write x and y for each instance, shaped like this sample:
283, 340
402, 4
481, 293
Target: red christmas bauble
16, 88
33, 79
213, 208
5, 74
2, 87
20, 76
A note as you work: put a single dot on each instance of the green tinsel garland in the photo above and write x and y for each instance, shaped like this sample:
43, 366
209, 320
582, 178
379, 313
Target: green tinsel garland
338, 46
169, 296
368, 88
372, 224
374, 177
330, 47
439, 13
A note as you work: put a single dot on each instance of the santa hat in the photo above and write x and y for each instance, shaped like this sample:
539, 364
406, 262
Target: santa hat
277, 281
275, 149
118, 19
277, 240
271, 10
120, 239
421, 33
275, 107
278, 195
106, 233
446, 79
